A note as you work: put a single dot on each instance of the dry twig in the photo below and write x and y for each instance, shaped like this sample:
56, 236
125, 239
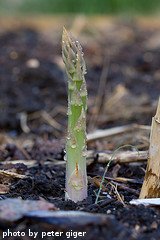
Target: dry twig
11, 174
103, 133
101, 93
50, 120
120, 157
23, 122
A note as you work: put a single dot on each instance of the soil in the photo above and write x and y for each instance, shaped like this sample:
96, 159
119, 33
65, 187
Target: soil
33, 121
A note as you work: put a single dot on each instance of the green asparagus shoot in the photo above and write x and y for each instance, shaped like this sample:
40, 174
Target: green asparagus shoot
76, 177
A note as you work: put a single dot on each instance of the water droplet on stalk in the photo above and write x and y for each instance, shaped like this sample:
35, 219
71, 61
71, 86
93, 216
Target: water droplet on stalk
84, 154
73, 146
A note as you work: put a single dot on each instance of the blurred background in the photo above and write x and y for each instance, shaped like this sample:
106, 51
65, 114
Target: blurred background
80, 6
121, 44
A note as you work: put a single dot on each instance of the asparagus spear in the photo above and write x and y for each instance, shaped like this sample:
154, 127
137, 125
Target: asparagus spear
76, 177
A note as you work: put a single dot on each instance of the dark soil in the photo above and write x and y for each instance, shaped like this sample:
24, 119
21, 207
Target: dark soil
33, 91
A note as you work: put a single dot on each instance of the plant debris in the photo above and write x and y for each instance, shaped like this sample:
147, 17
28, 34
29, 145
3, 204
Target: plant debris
12, 210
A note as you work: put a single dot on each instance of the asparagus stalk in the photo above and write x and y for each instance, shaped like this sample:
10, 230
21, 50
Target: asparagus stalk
76, 177
151, 184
